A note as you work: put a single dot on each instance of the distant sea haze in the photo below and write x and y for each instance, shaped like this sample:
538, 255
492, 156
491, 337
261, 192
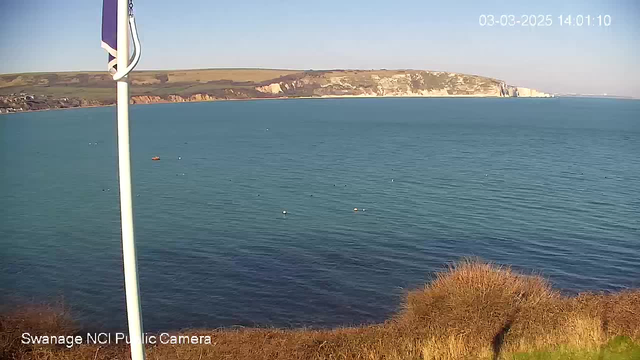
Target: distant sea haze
546, 185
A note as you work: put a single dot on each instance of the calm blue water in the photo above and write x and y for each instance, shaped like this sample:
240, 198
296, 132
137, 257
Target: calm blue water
548, 185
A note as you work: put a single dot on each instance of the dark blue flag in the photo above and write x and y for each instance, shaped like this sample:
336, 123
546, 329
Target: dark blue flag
110, 31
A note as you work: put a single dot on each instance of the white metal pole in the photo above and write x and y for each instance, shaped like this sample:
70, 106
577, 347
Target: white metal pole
134, 314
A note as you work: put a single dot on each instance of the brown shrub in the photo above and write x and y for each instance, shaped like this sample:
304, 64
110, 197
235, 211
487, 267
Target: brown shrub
619, 312
472, 310
37, 319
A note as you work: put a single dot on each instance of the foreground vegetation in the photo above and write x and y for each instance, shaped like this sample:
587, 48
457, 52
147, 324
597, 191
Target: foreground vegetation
471, 311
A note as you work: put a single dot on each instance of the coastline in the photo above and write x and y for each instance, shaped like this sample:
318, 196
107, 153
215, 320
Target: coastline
56, 109
53, 91
278, 98
478, 96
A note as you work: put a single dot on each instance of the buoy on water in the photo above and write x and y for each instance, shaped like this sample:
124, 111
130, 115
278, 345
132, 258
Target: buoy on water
155, 158
284, 212
355, 209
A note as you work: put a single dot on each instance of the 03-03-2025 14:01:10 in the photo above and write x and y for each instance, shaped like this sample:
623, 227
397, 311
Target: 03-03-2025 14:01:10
545, 20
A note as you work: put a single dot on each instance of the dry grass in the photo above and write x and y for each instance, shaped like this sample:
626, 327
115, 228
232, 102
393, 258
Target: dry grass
38, 82
34, 319
237, 75
473, 310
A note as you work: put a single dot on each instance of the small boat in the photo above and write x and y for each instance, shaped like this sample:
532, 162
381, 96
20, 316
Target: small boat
155, 158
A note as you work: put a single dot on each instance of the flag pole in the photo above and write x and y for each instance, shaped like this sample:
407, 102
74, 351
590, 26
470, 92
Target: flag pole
132, 290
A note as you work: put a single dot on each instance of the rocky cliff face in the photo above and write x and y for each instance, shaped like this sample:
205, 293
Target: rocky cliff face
154, 99
224, 94
391, 83
362, 84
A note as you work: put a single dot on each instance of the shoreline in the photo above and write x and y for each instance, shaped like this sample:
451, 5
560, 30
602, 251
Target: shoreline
330, 97
56, 109
285, 98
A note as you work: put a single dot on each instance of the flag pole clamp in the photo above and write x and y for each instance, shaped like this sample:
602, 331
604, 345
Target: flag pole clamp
136, 47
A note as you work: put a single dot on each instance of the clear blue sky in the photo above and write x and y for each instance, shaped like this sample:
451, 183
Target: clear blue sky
61, 35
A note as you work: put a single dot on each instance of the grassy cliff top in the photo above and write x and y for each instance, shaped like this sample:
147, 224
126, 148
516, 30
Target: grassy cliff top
100, 86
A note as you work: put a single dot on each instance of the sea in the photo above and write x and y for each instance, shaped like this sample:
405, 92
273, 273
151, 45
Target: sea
547, 186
